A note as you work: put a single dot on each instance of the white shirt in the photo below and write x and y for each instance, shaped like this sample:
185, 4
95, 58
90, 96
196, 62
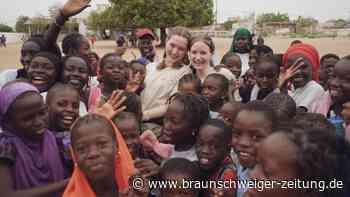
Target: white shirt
188, 154
7, 75
307, 95
245, 62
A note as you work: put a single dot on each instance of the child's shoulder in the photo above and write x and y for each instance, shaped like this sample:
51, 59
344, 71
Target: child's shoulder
7, 148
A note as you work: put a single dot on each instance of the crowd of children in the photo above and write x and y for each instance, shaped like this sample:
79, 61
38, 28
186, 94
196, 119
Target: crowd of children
77, 125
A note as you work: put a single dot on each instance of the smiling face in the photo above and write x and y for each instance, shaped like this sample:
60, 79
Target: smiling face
76, 72
304, 74
63, 109
27, 116
234, 64
249, 128
146, 46
200, 55
176, 49
42, 73
342, 73
95, 152
276, 160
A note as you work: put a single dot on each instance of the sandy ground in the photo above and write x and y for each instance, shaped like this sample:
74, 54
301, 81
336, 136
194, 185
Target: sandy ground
9, 57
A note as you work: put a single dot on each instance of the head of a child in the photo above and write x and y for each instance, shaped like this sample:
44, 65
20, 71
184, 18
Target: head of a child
283, 105
63, 104
179, 170
190, 84
253, 56
253, 122
328, 62
313, 121
342, 73
228, 110
129, 126
76, 72
232, 62
114, 71
242, 41
76, 44
177, 46
138, 70
249, 78
44, 70
334, 91
23, 111
202, 49
94, 63
95, 152
213, 144
266, 73
215, 89
290, 154
185, 115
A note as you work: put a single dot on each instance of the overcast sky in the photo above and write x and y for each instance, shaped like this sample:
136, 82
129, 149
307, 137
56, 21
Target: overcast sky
319, 9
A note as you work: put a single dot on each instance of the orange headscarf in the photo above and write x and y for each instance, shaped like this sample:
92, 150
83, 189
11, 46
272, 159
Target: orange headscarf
309, 52
78, 185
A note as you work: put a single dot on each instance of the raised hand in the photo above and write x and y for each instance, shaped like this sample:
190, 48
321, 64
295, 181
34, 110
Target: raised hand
134, 82
74, 7
287, 74
113, 106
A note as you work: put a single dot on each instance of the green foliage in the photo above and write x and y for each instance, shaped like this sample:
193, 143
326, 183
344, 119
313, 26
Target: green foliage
5, 28
20, 24
272, 17
153, 13
228, 24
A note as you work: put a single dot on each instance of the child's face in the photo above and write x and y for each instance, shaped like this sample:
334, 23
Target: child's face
212, 90
249, 129
342, 73
266, 76
131, 132
335, 92
276, 160
234, 65
176, 128
226, 113
176, 48
84, 48
76, 72
328, 66
178, 192
304, 74
114, 72
29, 116
249, 78
200, 55
93, 61
253, 58
188, 88
42, 73
63, 109
29, 49
139, 71
210, 147
95, 152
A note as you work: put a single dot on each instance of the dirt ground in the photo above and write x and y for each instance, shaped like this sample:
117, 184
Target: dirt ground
9, 57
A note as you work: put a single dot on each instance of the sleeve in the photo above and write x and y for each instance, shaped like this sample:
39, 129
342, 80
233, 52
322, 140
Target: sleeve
7, 149
313, 94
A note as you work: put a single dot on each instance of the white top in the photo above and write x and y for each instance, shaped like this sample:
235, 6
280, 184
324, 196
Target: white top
225, 72
307, 95
7, 75
93, 81
189, 154
159, 86
245, 62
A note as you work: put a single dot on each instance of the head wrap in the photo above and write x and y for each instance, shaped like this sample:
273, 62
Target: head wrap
78, 185
308, 52
241, 32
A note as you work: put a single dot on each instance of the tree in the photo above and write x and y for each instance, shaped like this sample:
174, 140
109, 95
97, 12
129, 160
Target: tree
228, 24
5, 28
272, 17
20, 24
154, 14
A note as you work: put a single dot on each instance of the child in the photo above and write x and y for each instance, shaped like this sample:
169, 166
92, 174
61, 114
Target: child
283, 105
44, 70
328, 62
202, 49
341, 71
304, 59
179, 169
314, 121
31, 164
305, 155
114, 76
213, 151
75, 44
185, 115
215, 89
233, 62
190, 84
266, 74
254, 122
94, 60
227, 111
136, 77
63, 107
98, 155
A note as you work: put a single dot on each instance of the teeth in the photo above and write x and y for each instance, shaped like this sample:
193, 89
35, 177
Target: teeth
244, 154
68, 118
204, 161
40, 131
38, 78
